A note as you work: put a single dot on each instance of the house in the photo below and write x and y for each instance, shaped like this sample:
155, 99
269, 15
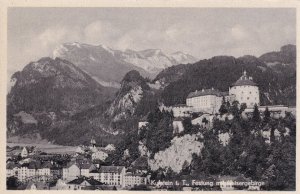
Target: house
71, 171
113, 175
134, 179
99, 155
33, 168
22, 172
44, 172
95, 174
37, 186
178, 125
59, 185
110, 147
79, 150
55, 171
24, 152
83, 182
86, 168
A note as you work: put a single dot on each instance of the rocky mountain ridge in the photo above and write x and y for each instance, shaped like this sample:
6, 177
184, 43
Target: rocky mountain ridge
101, 62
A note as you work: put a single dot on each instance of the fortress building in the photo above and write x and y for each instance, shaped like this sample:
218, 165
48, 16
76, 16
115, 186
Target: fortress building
245, 91
206, 100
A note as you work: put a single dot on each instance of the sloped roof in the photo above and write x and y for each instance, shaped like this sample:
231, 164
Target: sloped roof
111, 169
70, 164
206, 92
244, 80
34, 165
140, 163
39, 185
80, 180
46, 165
86, 165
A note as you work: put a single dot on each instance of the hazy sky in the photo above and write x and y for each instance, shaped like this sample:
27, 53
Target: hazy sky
202, 32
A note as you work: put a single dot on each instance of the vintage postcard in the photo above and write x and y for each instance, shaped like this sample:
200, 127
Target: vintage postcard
149, 96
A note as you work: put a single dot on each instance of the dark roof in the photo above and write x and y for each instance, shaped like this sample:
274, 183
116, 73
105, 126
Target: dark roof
11, 165
134, 174
80, 180
206, 92
39, 185
140, 163
111, 169
71, 164
46, 165
86, 165
244, 81
94, 171
34, 165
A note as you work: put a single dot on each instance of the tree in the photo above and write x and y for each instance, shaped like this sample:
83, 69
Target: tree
234, 109
267, 115
243, 107
256, 114
12, 183
223, 109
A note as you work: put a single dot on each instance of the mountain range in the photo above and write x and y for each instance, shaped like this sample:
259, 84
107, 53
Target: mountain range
60, 100
108, 66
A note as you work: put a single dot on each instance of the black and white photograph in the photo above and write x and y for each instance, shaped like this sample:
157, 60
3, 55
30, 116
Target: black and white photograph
151, 98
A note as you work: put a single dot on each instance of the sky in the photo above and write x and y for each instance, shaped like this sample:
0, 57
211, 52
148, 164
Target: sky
202, 32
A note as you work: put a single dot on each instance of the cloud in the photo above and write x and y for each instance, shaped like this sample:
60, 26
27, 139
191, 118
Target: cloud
100, 32
239, 33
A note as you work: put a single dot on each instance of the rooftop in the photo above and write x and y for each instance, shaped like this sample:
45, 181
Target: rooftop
80, 180
244, 80
111, 169
206, 92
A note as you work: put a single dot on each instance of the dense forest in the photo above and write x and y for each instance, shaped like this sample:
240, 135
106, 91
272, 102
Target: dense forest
247, 154
277, 84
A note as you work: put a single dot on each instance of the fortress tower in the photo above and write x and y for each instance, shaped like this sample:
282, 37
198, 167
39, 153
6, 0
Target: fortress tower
245, 90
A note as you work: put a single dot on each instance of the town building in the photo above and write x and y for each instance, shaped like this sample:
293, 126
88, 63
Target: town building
113, 175
83, 183
71, 171
99, 155
60, 185
134, 179
86, 168
110, 147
